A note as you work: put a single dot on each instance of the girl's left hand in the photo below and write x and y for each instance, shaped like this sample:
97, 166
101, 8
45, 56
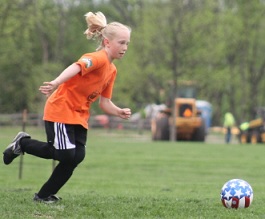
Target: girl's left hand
125, 113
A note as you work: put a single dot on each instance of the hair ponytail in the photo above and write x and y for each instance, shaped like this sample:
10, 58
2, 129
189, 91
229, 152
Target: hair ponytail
95, 23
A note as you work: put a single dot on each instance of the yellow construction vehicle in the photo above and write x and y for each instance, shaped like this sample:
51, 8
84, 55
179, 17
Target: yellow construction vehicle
253, 131
193, 118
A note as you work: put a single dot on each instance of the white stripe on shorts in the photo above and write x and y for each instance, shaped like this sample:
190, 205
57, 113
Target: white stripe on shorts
61, 139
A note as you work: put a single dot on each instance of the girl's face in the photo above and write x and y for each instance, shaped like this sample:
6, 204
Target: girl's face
117, 46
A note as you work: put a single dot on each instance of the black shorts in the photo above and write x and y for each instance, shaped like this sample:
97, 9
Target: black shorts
65, 136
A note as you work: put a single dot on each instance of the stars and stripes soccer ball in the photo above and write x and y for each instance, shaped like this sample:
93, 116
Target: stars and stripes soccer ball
236, 193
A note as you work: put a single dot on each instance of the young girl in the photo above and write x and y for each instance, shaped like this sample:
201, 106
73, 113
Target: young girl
70, 95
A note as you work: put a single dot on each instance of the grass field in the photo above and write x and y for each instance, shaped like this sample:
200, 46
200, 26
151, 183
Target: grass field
126, 175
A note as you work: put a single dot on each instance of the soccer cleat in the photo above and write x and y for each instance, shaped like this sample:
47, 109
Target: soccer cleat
49, 200
13, 150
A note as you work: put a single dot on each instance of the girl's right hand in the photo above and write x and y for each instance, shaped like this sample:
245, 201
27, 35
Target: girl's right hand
48, 87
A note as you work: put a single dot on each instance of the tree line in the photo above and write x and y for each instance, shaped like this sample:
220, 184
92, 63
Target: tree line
218, 44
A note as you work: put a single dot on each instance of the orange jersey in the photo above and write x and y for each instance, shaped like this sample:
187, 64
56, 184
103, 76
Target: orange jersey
70, 103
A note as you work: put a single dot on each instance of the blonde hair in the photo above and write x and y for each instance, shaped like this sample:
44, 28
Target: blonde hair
98, 28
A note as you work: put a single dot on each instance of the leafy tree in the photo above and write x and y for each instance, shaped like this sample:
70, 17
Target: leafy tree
16, 59
219, 44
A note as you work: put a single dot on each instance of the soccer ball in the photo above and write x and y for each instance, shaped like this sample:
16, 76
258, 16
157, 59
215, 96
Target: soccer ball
236, 193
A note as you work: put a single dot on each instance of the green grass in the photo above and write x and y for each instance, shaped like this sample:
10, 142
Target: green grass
126, 175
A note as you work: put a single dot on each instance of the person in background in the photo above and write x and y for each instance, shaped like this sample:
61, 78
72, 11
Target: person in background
229, 122
70, 96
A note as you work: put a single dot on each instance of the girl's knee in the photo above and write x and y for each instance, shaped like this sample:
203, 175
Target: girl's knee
80, 154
